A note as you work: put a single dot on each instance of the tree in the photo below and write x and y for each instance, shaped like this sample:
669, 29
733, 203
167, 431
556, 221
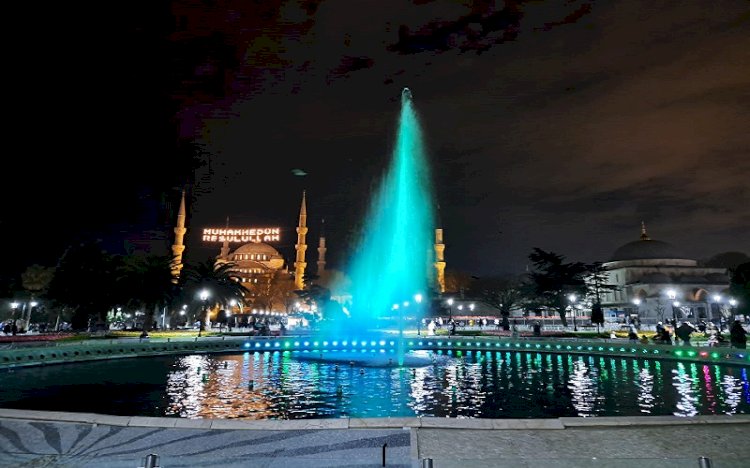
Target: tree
739, 286
457, 281
35, 281
146, 282
728, 260
597, 281
217, 279
503, 293
553, 280
84, 281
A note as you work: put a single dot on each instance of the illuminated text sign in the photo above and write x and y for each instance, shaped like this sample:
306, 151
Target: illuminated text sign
241, 235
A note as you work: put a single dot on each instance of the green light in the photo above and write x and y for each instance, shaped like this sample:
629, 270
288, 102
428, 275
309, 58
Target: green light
691, 353
397, 231
287, 344
715, 355
656, 351
600, 348
678, 353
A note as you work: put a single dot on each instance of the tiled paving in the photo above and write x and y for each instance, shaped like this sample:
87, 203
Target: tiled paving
39, 439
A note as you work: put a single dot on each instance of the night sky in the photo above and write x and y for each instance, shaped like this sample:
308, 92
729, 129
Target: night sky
558, 125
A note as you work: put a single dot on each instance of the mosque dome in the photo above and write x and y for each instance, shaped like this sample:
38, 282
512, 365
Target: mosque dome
646, 249
256, 248
248, 256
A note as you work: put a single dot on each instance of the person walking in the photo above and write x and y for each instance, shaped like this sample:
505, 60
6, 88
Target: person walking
684, 331
737, 335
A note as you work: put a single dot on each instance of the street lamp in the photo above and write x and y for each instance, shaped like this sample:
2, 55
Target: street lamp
671, 294
637, 304
450, 309
733, 303
717, 301
204, 297
418, 300
572, 298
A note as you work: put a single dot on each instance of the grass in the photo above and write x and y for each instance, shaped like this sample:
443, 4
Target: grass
160, 334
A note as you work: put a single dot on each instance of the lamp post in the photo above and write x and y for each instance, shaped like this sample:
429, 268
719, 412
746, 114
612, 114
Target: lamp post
717, 301
733, 304
204, 313
672, 295
14, 308
637, 304
572, 298
418, 300
450, 309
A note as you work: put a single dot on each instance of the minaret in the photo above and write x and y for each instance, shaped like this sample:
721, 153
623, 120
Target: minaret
644, 236
178, 247
300, 247
440, 259
322, 249
224, 254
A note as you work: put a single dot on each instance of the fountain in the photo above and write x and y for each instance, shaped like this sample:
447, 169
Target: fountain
391, 265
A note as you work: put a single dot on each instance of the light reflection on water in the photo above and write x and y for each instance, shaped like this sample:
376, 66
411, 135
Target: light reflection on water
460, 384
278, 385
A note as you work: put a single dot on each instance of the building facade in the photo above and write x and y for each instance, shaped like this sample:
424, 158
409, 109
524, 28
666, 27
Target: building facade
657, 282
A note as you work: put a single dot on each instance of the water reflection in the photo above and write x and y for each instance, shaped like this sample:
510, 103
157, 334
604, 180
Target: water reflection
646, 390
684, 385
465, 384
279, 385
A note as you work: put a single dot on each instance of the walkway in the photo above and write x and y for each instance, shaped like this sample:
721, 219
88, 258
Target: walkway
39, 439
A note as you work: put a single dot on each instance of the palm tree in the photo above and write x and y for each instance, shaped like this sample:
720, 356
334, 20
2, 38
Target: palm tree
216, 278
147, 282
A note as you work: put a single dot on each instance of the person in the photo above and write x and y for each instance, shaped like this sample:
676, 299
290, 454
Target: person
633, 333
453, 328
659, 328
737, 335
684, 331
537, 328
6, 328
664, 336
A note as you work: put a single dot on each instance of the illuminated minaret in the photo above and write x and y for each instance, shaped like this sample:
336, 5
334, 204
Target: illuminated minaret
644, 236
224, 254
440, 259
300, 247
178, 247
322, 249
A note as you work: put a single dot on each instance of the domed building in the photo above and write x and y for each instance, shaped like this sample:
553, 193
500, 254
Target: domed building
658, 282
253, 260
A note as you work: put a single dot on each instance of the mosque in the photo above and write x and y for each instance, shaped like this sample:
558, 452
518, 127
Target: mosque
657, 282
266, 275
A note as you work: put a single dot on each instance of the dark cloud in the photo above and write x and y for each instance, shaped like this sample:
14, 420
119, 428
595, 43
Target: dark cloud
575, 122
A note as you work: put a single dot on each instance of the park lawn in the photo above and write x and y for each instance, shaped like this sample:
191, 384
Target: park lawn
159, 334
